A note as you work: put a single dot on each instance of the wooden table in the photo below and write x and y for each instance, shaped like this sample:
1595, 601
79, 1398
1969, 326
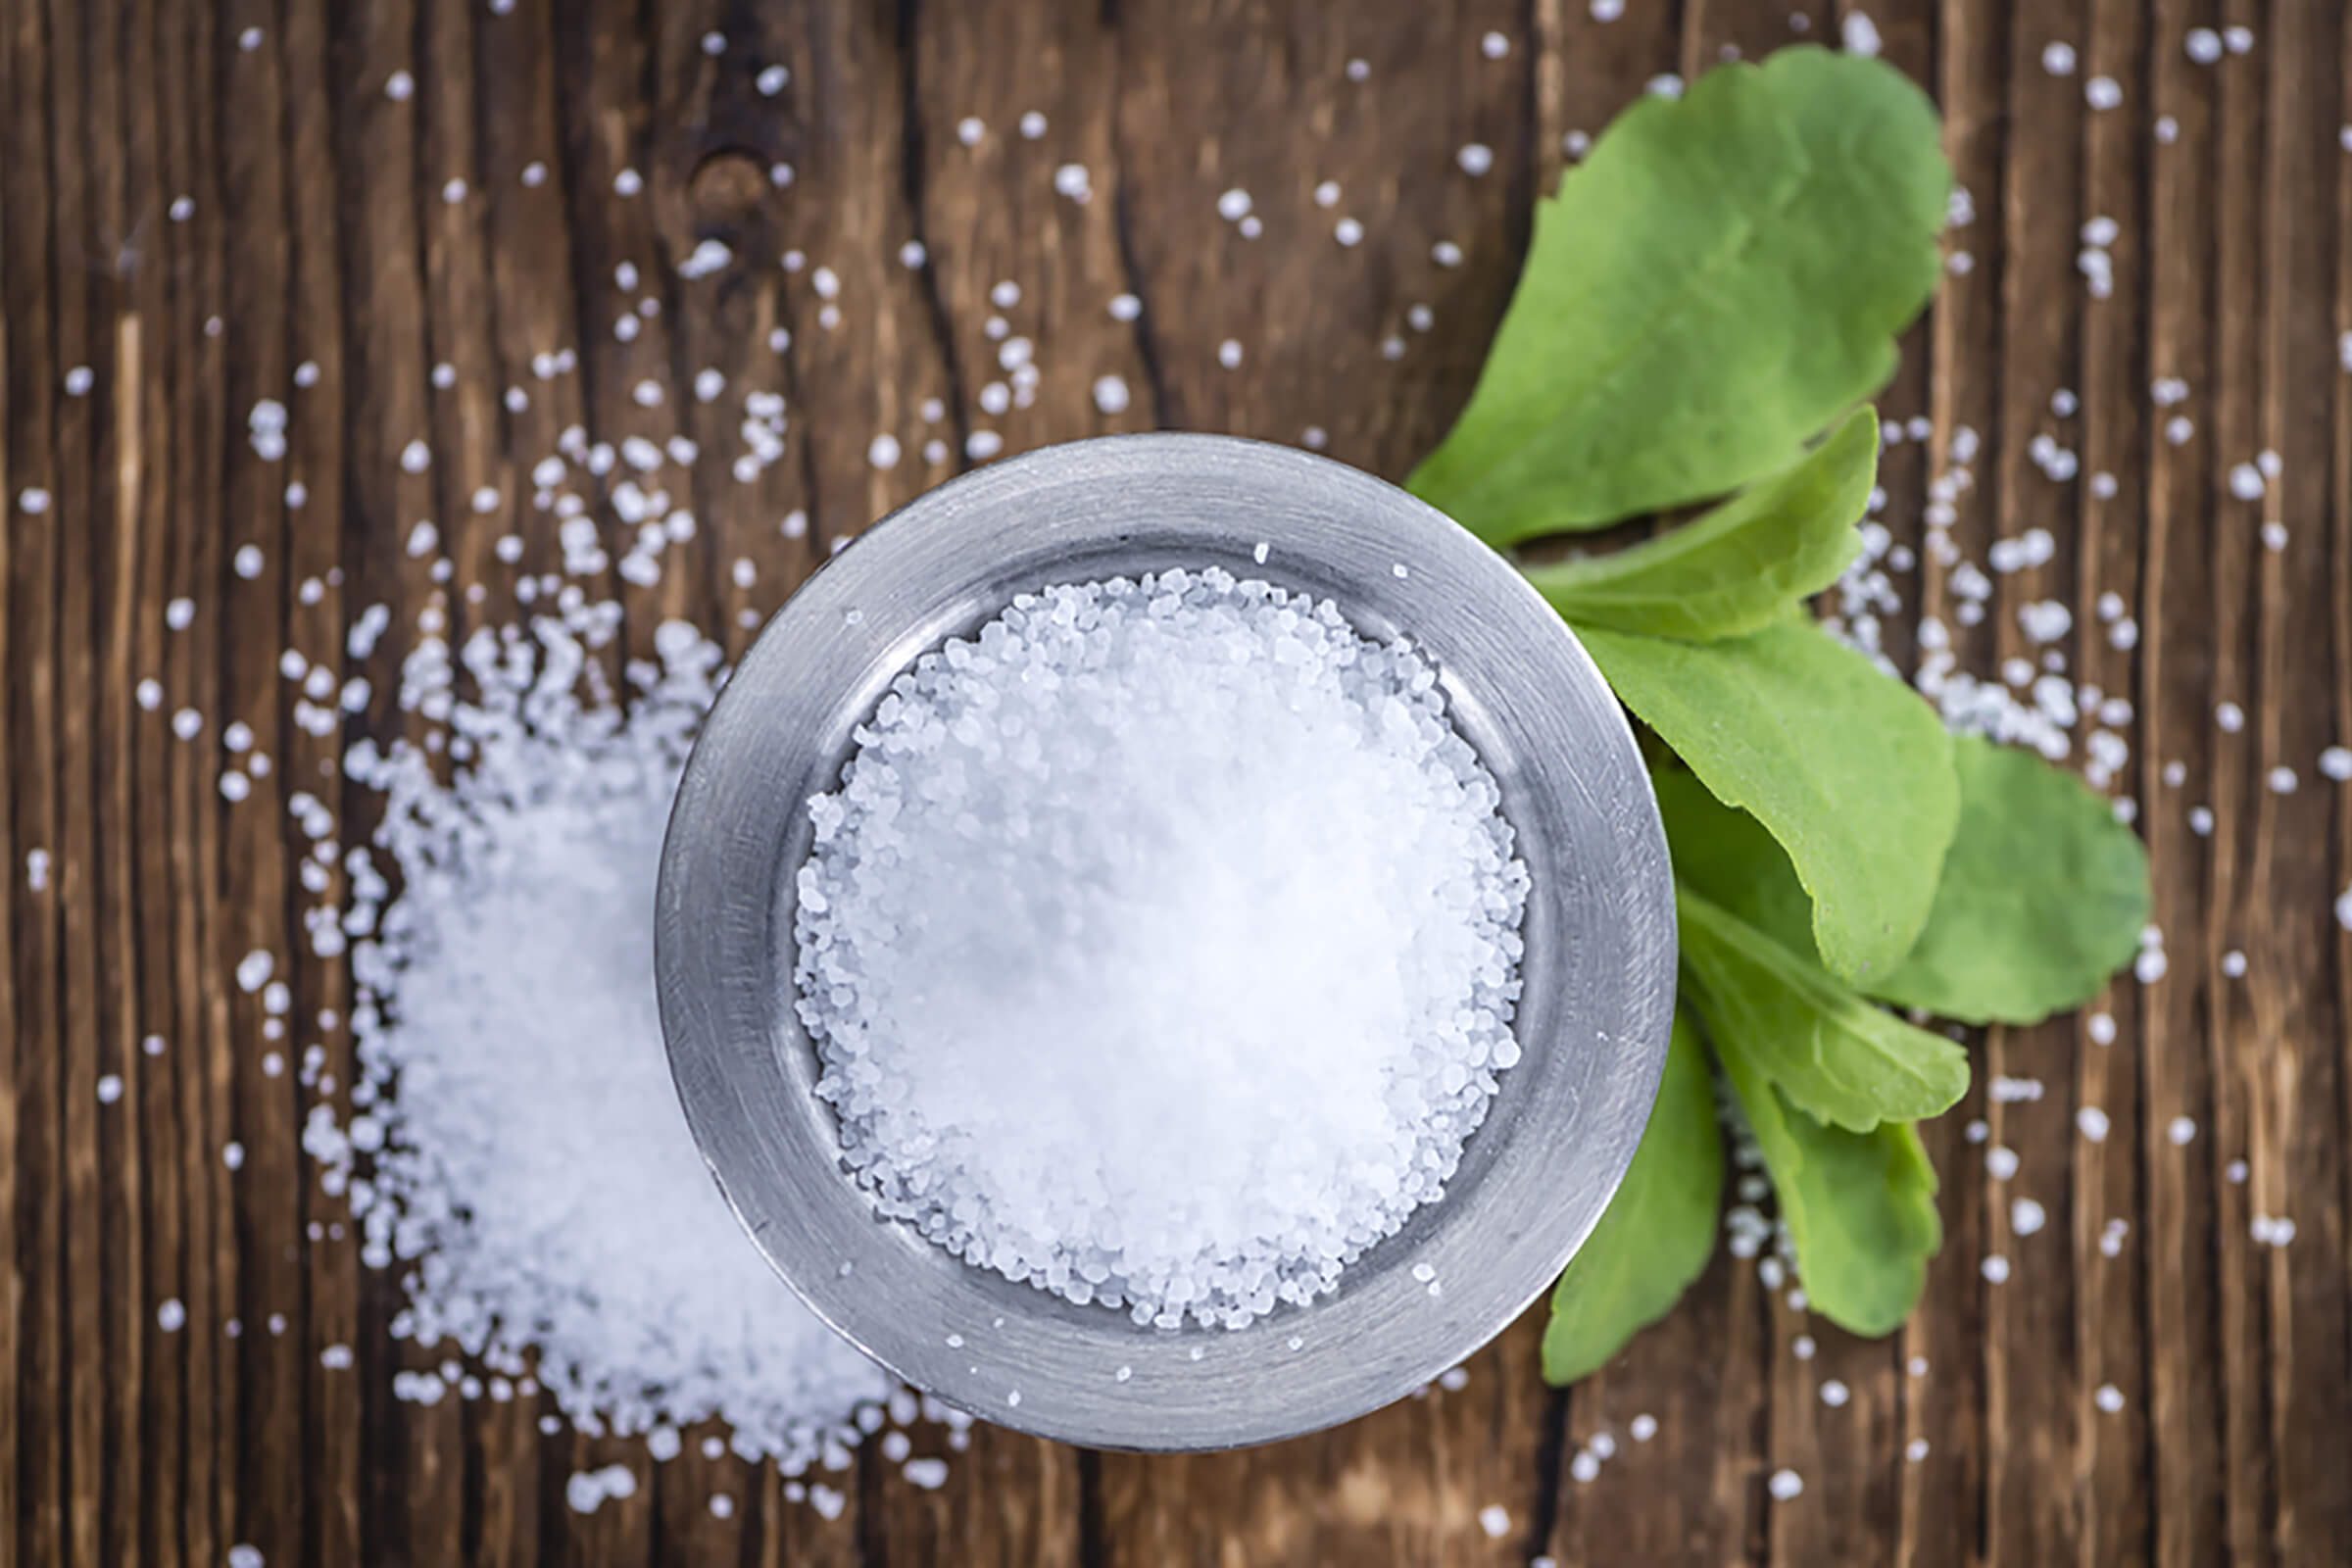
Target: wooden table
325, 222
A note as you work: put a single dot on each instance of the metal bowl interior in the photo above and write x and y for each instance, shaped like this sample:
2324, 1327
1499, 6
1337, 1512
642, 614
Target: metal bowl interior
1598, 969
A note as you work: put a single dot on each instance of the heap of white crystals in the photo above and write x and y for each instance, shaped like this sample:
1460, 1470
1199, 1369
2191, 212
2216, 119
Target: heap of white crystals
516, 1147
1161, 945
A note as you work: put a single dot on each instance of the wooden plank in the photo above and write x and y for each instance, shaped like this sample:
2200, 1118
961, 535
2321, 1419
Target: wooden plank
18, 1497
45, 1521
262, 1184
2032, 1405
2334, 535
192, 1513
2177, 654
1942, 1510
2228, 1123
334, 1405
411, 1461
114, 1321
74, 869
2294, 1150
213, 1289
2116, 423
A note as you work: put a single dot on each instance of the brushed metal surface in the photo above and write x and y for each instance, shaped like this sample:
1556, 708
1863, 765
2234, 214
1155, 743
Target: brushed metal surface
1600, 931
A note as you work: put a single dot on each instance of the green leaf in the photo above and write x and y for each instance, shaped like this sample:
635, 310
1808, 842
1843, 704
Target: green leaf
1847, 768
1832, 1053
1716, 282
1725, 857
1860, 1207
2044, 894
1744, 564
1657, 1233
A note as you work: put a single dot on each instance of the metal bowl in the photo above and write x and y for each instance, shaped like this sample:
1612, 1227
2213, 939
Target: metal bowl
1599, 969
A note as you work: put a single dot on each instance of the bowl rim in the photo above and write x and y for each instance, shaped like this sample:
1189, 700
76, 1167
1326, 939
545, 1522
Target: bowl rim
1598, 972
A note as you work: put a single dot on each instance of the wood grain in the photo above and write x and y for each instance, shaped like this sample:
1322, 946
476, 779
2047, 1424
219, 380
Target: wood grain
376, 237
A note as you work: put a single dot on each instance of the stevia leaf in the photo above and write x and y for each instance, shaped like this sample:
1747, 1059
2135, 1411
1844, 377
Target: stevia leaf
1657, 1233
2044, 896
1715, 283
1847, 767
1725, 857
1860, 1207
1740, 566
1833, 1054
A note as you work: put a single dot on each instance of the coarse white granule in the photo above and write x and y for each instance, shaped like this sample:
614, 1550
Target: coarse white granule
1160, 945
587, 1490
514, 1145
1785, 1485
2108, 1399
2273, 1230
